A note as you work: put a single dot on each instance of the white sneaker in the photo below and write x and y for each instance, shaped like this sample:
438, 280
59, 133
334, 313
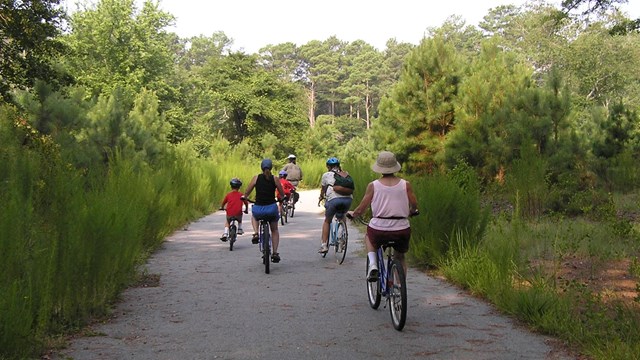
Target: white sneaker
240, 231
372, 273
323, 249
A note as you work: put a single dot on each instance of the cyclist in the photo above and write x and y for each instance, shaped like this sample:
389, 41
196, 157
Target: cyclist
265, 206
294, 174
334, 202
392, 201
234, 202
286, 186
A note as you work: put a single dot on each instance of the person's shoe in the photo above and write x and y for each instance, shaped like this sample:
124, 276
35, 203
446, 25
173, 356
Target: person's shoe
323, 249
240, 231
275, 258
224, 237
373, 274
255, 239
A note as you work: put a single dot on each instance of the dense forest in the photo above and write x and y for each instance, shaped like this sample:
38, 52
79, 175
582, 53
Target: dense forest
539, 103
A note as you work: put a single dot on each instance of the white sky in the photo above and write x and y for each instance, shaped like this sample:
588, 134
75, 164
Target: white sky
253, 24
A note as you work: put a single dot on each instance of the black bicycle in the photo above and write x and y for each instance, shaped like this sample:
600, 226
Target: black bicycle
233, 231
391, 283
264, 241
284, 210
291, 208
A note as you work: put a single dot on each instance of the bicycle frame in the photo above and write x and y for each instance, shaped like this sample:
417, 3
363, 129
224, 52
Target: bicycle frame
233, 231
264, 240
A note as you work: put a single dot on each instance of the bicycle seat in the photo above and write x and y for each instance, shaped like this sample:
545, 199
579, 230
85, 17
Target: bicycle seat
233, 218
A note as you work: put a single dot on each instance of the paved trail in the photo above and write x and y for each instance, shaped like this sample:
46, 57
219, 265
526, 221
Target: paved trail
215, 304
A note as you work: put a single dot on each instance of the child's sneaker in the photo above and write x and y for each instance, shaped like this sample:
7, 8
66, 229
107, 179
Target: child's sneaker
240, 231
223, 237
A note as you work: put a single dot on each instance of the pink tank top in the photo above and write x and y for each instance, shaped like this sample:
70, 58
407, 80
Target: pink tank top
390, 201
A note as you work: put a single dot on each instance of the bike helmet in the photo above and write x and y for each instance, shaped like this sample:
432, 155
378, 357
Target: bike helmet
282, 174
235, 183
266, 164
333, 161
291, 156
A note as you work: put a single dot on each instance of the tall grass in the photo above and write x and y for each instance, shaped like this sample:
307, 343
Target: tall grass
517, 267
449, 210
71, 240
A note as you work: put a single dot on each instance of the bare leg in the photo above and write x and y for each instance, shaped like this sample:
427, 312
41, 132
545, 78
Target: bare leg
399, 257
325, 231
275, 235
254, 224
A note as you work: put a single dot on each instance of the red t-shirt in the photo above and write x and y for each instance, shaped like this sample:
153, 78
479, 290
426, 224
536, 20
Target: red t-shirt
286, 186
234, 203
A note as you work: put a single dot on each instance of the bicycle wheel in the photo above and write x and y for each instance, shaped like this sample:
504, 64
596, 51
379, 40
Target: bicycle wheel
373, 290
397, 296
292, 206
342, 237
266, 247
232, 236
285, 206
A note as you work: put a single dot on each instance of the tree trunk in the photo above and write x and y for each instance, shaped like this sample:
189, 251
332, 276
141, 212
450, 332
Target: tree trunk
312, 104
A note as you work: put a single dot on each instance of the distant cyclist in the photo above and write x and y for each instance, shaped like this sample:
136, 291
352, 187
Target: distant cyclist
392, 201
334, 202
286, 186
265, 206
234, 201
294, 174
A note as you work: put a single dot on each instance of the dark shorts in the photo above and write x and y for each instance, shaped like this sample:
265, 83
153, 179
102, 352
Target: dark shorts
399, 237
339, 205
266, 212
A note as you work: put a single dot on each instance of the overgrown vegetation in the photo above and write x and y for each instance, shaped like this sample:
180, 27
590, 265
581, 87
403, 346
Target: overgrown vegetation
521, 137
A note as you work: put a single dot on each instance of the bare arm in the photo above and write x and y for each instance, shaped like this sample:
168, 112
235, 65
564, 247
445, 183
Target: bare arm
250, 187
413, 201
278, 186
365, 202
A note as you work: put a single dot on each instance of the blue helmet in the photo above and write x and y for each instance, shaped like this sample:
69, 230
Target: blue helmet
333, 161
282, 174
266, 164
235, 183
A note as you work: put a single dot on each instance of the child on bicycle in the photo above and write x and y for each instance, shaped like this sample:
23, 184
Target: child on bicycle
392, 201
286, 186
234, 201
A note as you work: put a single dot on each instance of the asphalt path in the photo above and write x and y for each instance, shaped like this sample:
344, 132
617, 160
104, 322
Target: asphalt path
212, 303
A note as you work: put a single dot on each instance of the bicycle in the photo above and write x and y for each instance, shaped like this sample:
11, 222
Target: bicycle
284, 210
338, 235
391, 283
233, 231
264, 241
292, 203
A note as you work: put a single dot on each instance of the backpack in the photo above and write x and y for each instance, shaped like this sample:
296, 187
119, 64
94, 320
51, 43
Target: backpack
343, 184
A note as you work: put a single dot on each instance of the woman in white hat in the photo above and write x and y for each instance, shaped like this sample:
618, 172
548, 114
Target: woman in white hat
392, 201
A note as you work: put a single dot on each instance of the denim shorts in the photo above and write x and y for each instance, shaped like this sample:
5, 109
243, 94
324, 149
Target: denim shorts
337, 205
266, 212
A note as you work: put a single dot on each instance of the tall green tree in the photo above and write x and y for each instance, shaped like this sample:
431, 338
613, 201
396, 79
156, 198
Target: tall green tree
362, 83
481, 133
416, 118
29, 34
116, 46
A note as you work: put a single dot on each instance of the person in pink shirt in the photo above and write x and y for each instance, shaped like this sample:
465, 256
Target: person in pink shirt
392, 201
234, 201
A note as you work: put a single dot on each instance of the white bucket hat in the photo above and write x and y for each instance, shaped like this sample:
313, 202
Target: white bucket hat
386, 163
